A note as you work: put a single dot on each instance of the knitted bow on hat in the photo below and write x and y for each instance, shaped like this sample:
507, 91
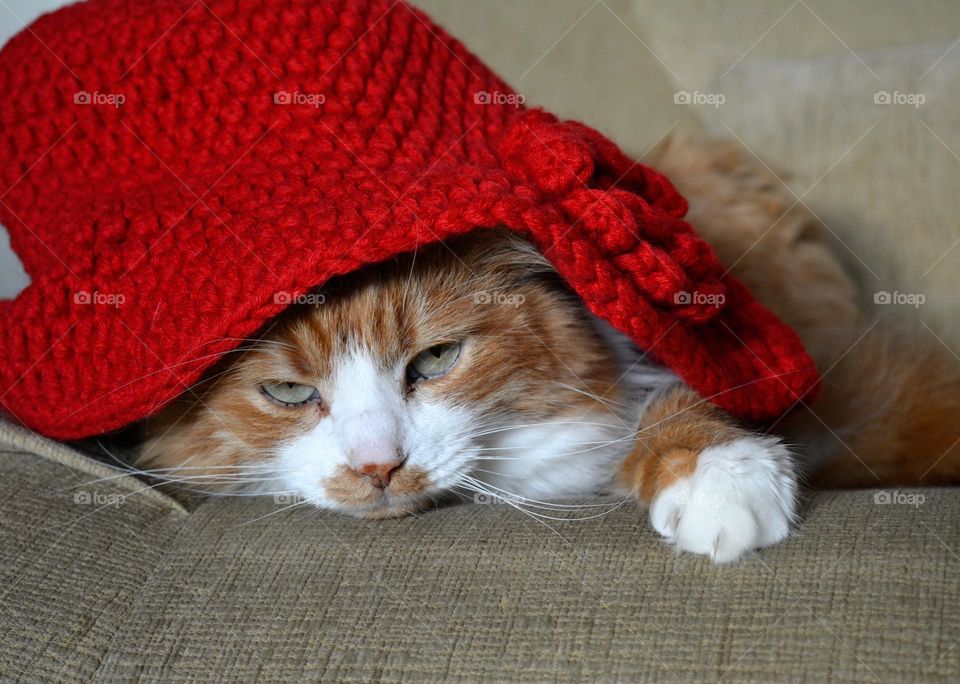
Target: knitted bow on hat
175, 173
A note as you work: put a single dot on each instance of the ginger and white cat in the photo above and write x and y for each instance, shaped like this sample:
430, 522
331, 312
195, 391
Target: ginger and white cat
469, 367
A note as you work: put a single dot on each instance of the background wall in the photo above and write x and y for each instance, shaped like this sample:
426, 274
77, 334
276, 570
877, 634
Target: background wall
14, 15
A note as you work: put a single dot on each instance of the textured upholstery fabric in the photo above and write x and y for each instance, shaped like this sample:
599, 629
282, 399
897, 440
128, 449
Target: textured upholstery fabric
241, 590
73, 558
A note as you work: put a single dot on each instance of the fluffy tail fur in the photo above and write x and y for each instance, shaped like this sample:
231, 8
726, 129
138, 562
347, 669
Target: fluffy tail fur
888, 414
889, 410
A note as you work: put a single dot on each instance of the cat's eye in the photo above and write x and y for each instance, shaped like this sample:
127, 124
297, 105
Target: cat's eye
433, 362
290, 393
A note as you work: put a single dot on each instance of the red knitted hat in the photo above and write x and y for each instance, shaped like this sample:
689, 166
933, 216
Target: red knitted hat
174, 173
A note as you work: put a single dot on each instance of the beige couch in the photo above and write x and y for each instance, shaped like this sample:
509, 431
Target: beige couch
103, 578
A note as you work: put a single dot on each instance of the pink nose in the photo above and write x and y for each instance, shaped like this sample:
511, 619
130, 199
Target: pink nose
379, 473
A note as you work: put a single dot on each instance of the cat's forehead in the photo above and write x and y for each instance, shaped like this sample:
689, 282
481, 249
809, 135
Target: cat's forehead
394, 310
386, 318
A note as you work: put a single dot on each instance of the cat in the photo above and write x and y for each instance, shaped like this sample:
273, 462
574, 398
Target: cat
469, 367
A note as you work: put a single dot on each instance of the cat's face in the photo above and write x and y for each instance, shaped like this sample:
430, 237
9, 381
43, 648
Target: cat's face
391, 386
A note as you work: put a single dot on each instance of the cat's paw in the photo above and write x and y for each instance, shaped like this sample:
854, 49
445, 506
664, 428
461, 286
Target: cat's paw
742, 496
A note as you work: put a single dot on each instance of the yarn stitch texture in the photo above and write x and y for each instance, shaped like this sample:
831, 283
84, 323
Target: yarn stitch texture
175, 174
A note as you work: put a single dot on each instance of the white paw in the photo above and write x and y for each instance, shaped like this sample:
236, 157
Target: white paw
742, 496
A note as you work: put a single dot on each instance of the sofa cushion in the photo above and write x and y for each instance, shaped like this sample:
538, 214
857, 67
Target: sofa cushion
130, 585
77, 543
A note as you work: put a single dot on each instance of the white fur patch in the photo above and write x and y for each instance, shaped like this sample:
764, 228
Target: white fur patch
370, 422
742, 496
579, 454
555, 459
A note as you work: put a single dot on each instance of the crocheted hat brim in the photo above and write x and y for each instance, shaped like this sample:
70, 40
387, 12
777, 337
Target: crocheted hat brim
198, 314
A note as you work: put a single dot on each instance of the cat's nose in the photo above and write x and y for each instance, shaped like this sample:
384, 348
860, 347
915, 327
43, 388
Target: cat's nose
379, 474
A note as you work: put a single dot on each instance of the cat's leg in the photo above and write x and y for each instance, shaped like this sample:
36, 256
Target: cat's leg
712, 487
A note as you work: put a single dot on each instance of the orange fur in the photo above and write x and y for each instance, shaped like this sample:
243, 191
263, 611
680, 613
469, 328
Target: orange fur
889, 414
676, 427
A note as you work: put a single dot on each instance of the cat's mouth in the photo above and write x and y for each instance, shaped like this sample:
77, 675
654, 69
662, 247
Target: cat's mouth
357, 495
386, 507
